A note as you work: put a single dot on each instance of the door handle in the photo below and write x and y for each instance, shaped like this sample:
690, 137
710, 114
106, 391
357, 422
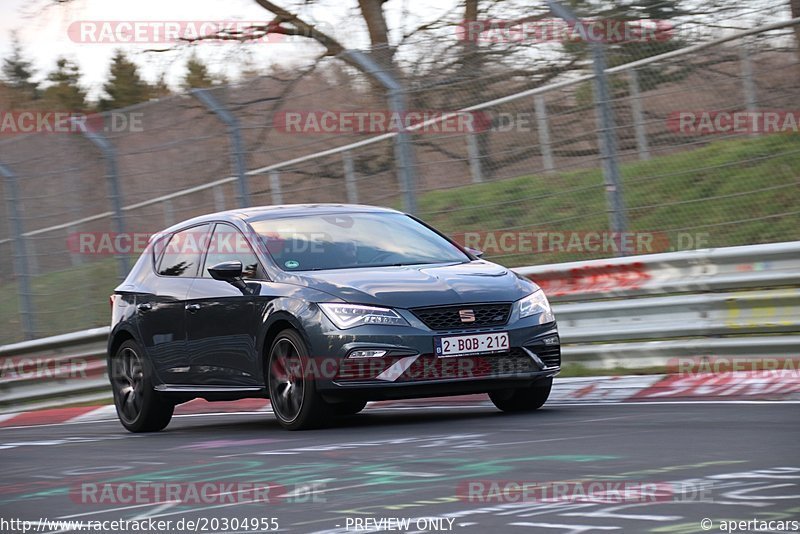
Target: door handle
192, 307
144, 306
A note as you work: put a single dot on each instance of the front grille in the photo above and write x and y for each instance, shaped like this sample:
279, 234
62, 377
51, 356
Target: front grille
450, 317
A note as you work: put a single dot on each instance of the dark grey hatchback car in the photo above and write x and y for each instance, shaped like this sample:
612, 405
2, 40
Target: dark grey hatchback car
322, 308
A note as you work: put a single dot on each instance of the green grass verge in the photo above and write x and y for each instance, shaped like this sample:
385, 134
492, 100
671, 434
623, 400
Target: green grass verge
731, 191
64, 301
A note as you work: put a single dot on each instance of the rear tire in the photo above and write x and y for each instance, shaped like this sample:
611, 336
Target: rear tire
140, 407
292, 392
523, 399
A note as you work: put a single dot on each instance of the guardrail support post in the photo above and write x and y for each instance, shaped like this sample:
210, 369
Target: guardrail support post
115, 193
544, 133
21, 267
638, 116
474, 153
275, 187
605, 117
403, 148
234, 132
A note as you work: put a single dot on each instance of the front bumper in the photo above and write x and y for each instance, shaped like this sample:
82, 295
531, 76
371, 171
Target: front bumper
410, 368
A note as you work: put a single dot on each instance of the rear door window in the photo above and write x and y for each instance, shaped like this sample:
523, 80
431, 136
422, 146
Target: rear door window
183, 253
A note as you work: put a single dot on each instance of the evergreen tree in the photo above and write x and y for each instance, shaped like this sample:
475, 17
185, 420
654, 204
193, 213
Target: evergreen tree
65, 91
197, 75
124, 87
18, 73
161, 88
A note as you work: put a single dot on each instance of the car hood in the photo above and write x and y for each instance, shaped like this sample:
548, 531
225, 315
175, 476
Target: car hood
413, 286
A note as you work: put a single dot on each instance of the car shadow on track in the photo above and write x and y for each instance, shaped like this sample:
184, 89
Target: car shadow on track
380, 418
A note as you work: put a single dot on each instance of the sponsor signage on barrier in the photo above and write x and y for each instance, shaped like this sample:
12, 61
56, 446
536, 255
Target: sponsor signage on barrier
750, 384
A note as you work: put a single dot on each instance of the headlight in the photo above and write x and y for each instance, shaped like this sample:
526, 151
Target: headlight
536, 303
350, 315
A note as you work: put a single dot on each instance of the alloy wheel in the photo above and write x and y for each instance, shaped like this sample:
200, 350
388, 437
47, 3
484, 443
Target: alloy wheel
129, 384
287, 388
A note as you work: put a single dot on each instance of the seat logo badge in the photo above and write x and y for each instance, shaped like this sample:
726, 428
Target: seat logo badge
467, 316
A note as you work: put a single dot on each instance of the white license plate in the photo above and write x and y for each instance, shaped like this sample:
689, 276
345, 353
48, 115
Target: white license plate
471, 344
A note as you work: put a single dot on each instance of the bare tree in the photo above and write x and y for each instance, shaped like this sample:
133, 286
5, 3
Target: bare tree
794, 5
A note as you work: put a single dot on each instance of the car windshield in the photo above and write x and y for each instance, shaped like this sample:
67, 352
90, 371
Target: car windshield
349, 240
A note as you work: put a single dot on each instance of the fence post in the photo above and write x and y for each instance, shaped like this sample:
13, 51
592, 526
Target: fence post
169, 213
544, 133
475, 168
748, 84
115, 194
219, 198
275, 187
74, 256
33, 258
350, 178
21, 268
605, 117
638, 116
235, 134
403, 149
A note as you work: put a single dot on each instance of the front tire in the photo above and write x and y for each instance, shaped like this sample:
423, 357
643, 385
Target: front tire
292, 392
139, 407
523, 399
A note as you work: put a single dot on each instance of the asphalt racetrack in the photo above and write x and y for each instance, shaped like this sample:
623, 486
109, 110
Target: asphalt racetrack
441, 468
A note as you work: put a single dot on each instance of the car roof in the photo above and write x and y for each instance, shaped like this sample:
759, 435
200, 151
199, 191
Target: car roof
259, 213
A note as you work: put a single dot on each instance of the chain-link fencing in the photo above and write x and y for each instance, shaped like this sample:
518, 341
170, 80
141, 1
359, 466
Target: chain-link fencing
706, 153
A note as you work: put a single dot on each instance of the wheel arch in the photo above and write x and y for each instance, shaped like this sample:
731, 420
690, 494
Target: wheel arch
278, 322
117, 338
115, 341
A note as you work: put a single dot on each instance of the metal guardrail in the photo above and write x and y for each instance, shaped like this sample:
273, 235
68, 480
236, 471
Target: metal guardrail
638, 311
45, 372
696, 271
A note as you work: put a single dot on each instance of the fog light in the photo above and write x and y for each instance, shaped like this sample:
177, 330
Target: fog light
367, 354
551, 340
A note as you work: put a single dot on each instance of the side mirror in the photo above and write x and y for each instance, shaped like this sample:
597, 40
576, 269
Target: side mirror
475, 252
231, 272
